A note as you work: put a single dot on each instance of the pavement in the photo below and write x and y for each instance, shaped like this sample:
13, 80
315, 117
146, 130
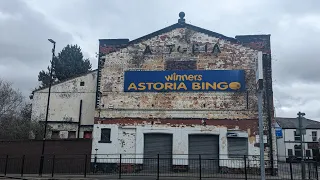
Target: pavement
109, 177
284, 174
127, 178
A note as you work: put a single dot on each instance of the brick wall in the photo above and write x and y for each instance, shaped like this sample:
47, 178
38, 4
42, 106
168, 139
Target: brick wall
175, 50
34, 147
157, 53
69, 156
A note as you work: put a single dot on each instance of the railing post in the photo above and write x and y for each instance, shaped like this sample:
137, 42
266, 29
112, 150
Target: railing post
95, 164
291, 175
120, 166
6, 165
309, 172
200, 173
41, 165
158, 167
22, 165
85, 165
52, 167
245, 167
317, 175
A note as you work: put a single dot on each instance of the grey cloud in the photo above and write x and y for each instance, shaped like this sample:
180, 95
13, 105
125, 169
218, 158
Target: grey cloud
294, 43
296, 97
297, 54
24, 48
300, 7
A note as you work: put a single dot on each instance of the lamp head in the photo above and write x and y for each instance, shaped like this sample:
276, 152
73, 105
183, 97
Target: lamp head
52, 41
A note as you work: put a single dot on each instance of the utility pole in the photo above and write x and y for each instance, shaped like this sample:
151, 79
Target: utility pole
261, 135
47, 110
259, 81
301, 132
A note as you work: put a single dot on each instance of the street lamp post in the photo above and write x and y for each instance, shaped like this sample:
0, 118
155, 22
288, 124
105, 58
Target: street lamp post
260, 90
47, 111
302, 131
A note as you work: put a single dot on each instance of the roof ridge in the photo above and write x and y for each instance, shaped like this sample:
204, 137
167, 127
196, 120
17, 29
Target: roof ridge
184, 25
292, 123
59, 82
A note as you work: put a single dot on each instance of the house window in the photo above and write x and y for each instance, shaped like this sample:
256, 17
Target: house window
105, 135
296, 136
87, 135
308, 153
237, 147
81, 83
290, 152
297, 150
314, 136
55, 135
71, 134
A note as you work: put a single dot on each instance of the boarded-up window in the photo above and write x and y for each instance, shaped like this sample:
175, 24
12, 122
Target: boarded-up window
55, 135
181, 65
237, 147
87, 135
105, 135
71, 134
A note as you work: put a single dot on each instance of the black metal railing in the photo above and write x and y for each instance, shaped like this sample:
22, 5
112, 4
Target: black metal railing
121, 165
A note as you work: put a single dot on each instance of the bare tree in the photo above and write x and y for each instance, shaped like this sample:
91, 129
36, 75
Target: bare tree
10, 99
15, 116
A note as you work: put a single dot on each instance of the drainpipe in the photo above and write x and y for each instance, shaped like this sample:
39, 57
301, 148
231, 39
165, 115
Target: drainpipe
268, 92
79, 122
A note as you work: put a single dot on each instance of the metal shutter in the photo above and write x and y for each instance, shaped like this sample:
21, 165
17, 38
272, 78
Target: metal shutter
208, 147
237, 146
155, 144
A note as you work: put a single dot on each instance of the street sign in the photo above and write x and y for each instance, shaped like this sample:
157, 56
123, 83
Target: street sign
259, 72
278, 132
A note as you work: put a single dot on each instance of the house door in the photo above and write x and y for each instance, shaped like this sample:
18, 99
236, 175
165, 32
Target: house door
315, 154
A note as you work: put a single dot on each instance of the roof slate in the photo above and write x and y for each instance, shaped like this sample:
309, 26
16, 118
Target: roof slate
292, 123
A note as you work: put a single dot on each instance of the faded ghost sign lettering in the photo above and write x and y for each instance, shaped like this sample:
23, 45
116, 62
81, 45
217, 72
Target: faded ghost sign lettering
216, 50
190, 48
147, 50
170, 47
182, 49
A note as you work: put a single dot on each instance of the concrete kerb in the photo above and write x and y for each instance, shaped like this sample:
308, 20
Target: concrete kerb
100, 177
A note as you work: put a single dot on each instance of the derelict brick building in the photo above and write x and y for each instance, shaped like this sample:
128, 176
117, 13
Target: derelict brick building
180, 91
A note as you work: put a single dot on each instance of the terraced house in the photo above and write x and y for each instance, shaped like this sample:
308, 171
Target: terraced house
180, 92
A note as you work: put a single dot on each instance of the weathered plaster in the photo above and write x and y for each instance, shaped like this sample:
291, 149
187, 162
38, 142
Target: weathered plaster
128, 140
65, 102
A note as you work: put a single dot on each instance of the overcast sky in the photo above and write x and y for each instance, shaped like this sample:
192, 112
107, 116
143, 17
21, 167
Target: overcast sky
25, 26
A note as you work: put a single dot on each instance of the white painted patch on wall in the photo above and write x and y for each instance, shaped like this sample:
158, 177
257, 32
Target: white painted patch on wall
129, 141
